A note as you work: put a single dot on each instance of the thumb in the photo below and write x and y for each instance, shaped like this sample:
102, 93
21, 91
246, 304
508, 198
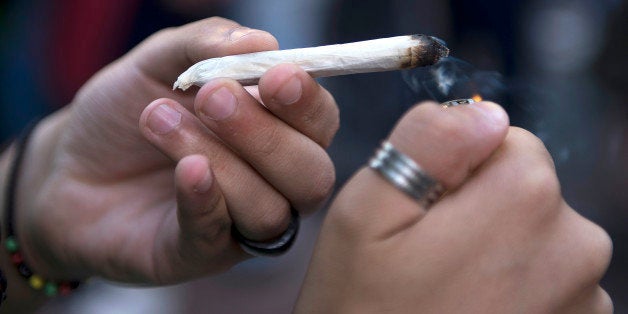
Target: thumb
448, 143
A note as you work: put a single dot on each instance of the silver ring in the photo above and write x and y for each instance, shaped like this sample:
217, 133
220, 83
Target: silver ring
406, 175
457, 102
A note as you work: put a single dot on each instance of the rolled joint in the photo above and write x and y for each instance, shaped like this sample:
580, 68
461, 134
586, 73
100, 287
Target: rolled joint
377, 55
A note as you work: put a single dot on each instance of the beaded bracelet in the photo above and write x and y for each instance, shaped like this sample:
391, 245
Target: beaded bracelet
37, 282
3, 287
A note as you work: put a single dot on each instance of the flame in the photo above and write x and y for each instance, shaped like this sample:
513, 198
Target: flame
477, 98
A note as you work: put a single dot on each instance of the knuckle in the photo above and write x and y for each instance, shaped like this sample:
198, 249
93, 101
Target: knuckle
605, 304
208, 229
239, 39
414, 117
213, 25
590, 251
524, 136
273, 221
163, 33
332, 129
323, 117
541, 186
313, 113
526, 143
591, 300
207, 38
263, 217
195, 49
598, 251
322, 187
533, 176
218, 20
535, 195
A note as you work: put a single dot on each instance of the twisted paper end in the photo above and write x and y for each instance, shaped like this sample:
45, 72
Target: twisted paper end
183, 82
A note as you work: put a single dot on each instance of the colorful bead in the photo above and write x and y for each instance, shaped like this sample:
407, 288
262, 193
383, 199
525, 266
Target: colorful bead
3, 287
65, 289
50, 289
16, 258
36, 282
11, 245
23, 269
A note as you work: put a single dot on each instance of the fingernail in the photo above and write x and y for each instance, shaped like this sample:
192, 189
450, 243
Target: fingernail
220, 105
204, 184
240, 32
492, 112
290, 92
163, 119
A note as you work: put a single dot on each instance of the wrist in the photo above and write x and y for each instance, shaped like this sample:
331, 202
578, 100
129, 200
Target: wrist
37, 167
20, 297
24, 169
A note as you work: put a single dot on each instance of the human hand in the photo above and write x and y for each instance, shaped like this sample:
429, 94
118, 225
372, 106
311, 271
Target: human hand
100, 195
502, 240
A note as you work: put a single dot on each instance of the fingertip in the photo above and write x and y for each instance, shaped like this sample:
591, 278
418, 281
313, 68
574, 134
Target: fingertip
490, 125
283, 84
295, 97
493, 113
212, 86
149, 108
160, 117
194, 174
218, 100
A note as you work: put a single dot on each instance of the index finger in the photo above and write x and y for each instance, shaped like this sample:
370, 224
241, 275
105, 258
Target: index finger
169, 52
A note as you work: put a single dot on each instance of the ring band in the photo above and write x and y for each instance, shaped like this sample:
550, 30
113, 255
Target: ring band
406, 175
457, 102
271, 248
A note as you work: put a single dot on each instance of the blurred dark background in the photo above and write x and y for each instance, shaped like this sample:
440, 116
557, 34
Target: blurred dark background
558, 67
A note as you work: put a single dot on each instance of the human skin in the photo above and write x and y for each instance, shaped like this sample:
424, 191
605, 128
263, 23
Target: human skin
135, 182
142, 193
502, 240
